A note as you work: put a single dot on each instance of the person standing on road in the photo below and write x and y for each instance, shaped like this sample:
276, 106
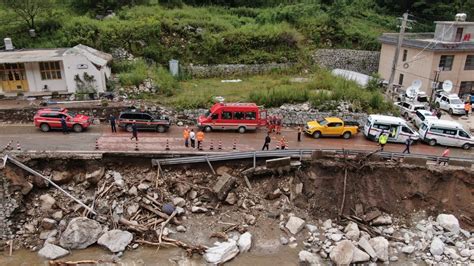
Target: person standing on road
64, 125
112, 123
266, 145
383, 140
200, 139
283, 143
445, 156
408, 143
299, 133
186, 137
134, 131
192, 137
467, 108
278, 126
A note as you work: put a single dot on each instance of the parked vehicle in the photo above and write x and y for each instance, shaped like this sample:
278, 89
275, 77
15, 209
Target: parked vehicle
398, 129
50, 118
450, 103
233, 116
144, 121
421, 116
331, 127
421, 97
447, 133
408, 109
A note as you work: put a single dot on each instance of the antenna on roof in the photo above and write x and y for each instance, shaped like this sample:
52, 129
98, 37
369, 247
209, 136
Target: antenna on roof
447, 86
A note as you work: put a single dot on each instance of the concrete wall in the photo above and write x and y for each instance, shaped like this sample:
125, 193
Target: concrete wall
36, 84
231, 70
71, 63
366, 62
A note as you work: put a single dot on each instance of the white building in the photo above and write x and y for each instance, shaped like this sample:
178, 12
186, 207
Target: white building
36, 72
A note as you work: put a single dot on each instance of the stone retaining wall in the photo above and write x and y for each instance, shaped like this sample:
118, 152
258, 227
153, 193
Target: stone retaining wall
366, 62
292, 114
232, 70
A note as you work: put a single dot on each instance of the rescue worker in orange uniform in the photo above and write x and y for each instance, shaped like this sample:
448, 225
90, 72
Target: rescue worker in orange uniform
186, 137
200, 139
278, 125
283, 143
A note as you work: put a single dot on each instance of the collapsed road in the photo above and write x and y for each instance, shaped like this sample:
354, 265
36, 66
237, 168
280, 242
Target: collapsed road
344, 209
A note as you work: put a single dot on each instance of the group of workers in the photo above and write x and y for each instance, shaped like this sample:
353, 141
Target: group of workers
274, 124
190, 137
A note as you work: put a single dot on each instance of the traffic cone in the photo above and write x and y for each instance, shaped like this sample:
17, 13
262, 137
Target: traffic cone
234, 145
219, 147
136, 145
18, 147
9, 145
211, 146
167, 145
277, 145
97, 144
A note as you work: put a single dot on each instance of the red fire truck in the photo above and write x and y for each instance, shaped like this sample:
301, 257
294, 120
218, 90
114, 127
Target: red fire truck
235, 116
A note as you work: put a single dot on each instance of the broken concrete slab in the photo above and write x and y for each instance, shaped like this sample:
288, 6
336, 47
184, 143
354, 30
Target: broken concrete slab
224, 184
221, 252
278, 162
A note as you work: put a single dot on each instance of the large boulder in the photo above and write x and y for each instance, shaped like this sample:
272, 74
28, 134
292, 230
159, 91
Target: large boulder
223, 185
308, 258
449, 222
115, 240
52, 252
61, 177
295, 224
437, 247
245, 242
352, 231
359, 256
95, 176
80, 233
380, 245
342, 253
365, 245
221, 252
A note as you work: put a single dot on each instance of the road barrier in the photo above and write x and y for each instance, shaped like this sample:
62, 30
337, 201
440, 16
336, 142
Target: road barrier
303, 152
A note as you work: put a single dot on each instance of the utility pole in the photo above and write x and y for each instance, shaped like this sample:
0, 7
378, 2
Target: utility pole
434, 86
397, 53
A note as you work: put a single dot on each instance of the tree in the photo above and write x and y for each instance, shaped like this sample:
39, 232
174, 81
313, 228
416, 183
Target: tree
28, 10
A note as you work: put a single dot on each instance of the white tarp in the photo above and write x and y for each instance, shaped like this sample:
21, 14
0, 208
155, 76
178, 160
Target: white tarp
359, 78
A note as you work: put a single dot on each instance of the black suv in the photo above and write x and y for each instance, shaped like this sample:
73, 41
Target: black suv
144, 120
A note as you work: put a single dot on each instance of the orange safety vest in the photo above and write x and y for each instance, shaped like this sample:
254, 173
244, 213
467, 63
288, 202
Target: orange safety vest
467, 107
186, 134
283, 142
200, 136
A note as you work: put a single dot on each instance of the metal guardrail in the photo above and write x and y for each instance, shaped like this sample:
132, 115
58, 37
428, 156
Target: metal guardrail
295, 153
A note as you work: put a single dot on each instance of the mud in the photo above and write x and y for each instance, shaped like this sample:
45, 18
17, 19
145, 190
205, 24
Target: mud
397, 189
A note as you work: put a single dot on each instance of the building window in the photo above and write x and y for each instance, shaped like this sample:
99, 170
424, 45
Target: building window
469, 62
466, 87
446, 62
50, 70
405, 54
400, 79
458, 34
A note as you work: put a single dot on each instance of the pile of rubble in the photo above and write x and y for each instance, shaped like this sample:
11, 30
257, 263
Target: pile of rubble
440, 241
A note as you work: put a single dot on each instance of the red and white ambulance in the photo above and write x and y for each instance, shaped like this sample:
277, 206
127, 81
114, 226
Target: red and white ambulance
235, 116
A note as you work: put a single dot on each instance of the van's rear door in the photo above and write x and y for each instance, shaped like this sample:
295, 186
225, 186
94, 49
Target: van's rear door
262, 118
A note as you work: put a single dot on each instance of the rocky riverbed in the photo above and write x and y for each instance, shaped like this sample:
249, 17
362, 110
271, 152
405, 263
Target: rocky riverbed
240, 210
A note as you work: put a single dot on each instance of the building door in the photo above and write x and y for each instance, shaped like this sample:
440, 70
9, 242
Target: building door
13, 77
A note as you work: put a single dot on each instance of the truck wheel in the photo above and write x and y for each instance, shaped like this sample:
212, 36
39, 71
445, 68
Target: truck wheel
160, 129
241, 130
207, 129
347, 135
77, 128
432, 142
466, 146
45, 127
317, 134
450, 111
129, 128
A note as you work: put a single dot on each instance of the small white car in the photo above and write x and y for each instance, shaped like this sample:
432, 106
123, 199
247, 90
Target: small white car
421, 116
450, 103
408, 109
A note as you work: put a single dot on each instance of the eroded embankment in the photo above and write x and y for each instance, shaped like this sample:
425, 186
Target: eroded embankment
128, 194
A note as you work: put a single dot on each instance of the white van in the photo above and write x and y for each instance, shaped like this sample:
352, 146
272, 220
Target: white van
398, 129
445, 132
